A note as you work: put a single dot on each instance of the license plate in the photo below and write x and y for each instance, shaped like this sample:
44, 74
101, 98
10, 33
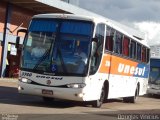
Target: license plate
47, 92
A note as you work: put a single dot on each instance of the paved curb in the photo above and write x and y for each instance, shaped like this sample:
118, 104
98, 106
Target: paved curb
8, 79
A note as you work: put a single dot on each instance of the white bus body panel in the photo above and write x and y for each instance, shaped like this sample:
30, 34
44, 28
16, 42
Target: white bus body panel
56, 85
90, 92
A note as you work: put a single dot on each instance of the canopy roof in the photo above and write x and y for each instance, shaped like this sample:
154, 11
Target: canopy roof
58, 6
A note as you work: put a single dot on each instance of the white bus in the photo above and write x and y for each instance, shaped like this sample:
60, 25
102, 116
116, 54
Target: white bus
113, 63
154, 77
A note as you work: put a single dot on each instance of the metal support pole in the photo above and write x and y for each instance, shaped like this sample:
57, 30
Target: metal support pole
5, 41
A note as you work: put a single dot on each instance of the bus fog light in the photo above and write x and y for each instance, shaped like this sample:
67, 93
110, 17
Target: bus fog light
76, 85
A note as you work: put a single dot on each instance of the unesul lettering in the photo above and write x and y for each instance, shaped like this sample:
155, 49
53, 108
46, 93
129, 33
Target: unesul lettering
122, 68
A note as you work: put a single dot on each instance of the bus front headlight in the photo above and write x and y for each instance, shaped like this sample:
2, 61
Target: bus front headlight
25, 80
76, 85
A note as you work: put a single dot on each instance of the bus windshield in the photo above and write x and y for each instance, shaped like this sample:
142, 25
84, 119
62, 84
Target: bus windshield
59, 47
154, 75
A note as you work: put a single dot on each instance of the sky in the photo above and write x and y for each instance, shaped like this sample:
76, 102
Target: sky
143, 15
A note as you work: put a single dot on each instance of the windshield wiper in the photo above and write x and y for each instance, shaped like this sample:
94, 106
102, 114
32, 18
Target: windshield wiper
42, 59
62, 61
45, 55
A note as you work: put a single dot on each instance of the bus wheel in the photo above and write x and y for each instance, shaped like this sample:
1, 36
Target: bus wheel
131, 99
98, 103
48, 99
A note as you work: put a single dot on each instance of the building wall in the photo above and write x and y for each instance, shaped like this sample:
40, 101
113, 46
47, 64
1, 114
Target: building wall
20, 16
2, 16
17, 16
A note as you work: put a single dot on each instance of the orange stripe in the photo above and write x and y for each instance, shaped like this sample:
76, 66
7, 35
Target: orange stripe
117, 65
1, 27
105, 65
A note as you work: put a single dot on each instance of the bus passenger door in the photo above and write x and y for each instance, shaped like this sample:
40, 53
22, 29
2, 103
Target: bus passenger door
105, 66
96, 80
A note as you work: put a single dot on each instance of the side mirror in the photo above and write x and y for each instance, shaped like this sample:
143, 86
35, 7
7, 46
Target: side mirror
95, 40
94, 46
17, 41
18, 38
21, 30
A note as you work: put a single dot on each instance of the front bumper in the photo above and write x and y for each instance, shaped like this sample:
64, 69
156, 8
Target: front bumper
153, 91
60, 93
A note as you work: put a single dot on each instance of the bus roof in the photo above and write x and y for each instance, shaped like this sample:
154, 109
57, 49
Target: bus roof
65, 16
155, 57
96, 19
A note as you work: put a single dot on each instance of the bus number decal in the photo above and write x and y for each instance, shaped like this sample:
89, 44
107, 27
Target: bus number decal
26, 74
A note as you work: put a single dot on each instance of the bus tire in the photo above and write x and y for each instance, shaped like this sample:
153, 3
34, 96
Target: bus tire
98, 103
126, 99
131, 99
47, 99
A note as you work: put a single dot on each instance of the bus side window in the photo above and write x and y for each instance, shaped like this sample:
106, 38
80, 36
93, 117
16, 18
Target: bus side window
109, 39
139, 52
132, 50
126, 46
148, 55
118, 42
143, 54
96, 59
